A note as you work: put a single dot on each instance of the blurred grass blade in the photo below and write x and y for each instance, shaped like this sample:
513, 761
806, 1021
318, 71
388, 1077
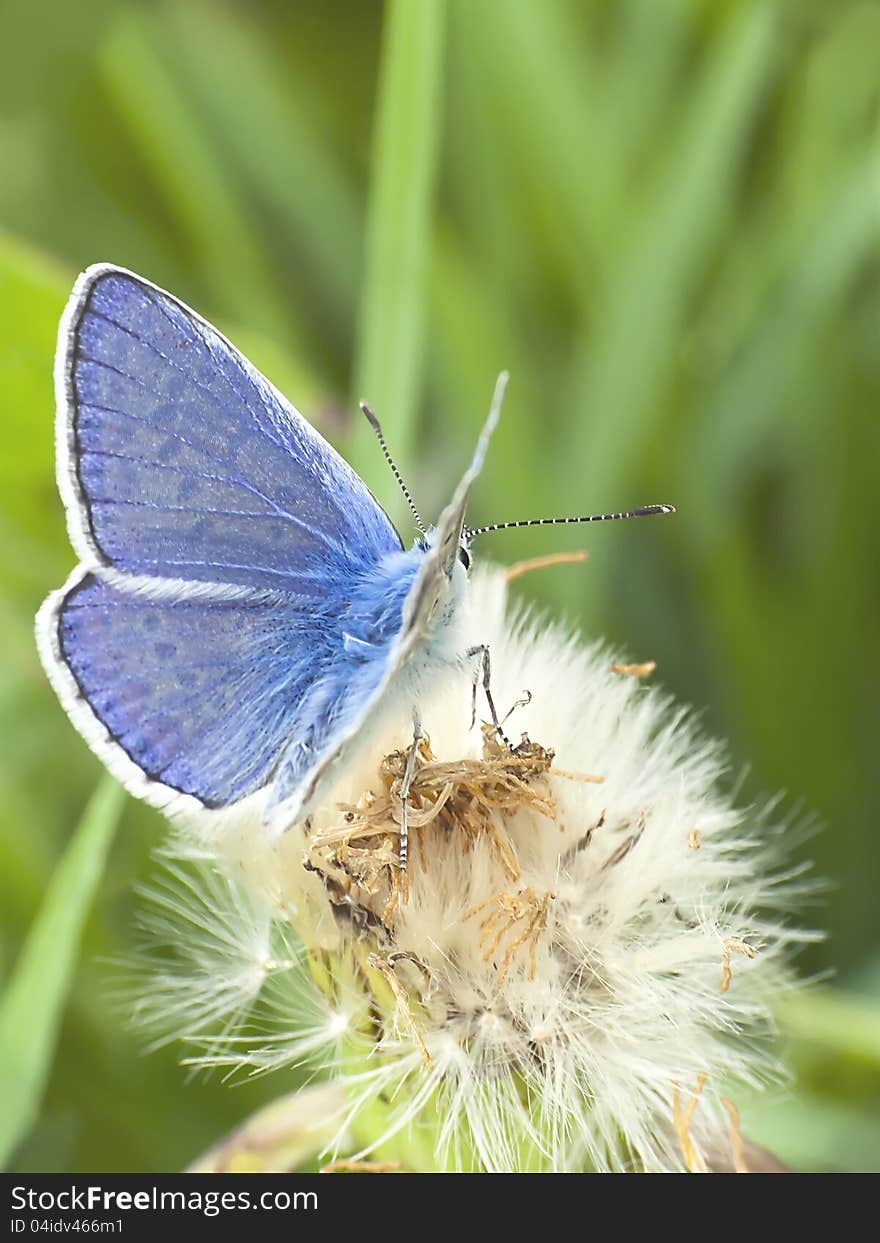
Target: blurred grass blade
33, 1001
190, 174
743, 423
32, 293
845, 1022
535, 129
265, 116
473, 339
818, 1134
405, 138
619, 394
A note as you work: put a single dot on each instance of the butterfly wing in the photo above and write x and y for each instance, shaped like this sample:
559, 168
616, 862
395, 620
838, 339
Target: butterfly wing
188, 699
219, 532
177, 459
303, 783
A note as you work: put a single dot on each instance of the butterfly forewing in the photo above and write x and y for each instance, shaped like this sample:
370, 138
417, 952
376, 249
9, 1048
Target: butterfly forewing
184, 462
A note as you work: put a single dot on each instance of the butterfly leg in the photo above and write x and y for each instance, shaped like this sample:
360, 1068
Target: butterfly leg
405, 787
475, 682
483, 673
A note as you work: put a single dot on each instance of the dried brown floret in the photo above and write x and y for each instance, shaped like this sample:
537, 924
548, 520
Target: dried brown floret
740, 947
644, 669
468, 799
681, 1121
506, 911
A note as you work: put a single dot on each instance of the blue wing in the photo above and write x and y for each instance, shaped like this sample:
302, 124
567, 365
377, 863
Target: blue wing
200, 694
178, 459
221, 536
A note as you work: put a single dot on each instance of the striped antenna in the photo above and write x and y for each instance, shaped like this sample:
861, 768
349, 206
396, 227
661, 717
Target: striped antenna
380, 436
645, 511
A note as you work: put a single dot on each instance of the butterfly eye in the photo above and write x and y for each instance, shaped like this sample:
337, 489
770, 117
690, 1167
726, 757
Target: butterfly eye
464, 557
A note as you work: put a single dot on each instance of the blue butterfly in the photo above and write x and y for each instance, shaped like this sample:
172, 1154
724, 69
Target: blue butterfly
243, 604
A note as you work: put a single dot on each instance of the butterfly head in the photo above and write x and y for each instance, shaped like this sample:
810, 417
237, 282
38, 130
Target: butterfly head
455, 548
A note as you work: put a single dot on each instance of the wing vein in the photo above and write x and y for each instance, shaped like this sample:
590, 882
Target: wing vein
191, 379
232, 481
260, 427
235, 480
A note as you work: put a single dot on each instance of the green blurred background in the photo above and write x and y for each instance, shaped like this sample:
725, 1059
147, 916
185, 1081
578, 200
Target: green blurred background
663, 217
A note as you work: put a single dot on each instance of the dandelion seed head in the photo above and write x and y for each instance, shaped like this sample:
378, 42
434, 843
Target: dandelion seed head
589, 927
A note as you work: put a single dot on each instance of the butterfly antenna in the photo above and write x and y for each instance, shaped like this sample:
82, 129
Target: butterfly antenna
380, 436
644, 511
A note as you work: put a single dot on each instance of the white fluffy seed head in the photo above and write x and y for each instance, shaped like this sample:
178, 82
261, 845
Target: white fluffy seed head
591, 937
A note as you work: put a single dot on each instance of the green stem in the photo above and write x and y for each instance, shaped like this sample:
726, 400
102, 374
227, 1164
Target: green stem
33, 1003
388, 366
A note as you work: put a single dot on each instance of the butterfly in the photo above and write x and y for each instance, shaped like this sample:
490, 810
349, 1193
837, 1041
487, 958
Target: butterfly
243, 607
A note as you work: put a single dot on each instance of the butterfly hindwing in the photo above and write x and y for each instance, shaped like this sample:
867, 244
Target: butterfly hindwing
197, 693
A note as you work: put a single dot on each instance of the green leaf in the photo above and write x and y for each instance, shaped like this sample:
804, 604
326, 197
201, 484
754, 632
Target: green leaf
32, 1004
407, 124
